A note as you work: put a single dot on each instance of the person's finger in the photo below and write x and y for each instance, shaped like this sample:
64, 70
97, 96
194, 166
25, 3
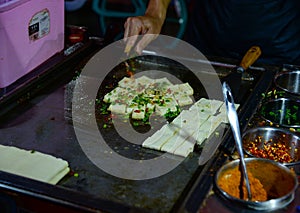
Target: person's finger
134, 27
145, 40
126, 31
127, 25
130, 43
150, 31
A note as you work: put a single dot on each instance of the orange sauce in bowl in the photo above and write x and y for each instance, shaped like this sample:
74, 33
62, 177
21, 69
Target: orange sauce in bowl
230, 181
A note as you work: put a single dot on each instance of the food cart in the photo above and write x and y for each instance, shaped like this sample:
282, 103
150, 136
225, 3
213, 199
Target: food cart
35, 114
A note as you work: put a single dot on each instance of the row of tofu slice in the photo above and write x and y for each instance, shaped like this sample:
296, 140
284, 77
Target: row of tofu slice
162, 96
190, 127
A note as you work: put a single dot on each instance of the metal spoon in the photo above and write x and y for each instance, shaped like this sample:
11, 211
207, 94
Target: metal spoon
234, 123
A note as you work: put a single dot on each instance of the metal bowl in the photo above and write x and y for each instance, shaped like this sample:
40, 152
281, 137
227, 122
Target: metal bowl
279, 182
282, 111
273, 143
288, 81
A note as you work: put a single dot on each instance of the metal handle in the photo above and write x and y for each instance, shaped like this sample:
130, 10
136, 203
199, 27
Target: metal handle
250, 57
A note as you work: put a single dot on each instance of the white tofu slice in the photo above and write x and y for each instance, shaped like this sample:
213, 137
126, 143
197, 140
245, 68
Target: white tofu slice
141, 84
223, 112
144, 81
185, 148
162, 83
177, 140
195, 118
170, 102
173, 89
165, 105
224, 117
127, 83
200, 136
214, 121
207, 126
186, 88
150, 107
215, 105
130, 107
110, 96
200, 114
183, 99
190, 122
116, 94
160, 137
200, 103
138, 112
161, 110
117, 108
207, 105
186, 121
184, 115
128, 98
153, 92
34, 165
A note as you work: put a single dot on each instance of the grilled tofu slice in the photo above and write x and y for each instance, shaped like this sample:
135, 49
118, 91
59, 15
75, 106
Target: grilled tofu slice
159, 138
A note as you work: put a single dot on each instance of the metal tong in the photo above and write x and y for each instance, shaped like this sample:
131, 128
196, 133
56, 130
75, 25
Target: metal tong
234, 123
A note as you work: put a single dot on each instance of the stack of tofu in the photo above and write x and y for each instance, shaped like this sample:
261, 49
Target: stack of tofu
136, 96
191, 126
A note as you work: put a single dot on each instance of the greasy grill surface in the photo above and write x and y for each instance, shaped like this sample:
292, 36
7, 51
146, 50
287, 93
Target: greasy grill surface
44, 123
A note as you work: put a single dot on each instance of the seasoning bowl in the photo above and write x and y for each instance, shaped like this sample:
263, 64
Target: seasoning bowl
288, 81
284, 112
277, 180
273, 143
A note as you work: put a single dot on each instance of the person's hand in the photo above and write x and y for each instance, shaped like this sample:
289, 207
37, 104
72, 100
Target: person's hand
147, 26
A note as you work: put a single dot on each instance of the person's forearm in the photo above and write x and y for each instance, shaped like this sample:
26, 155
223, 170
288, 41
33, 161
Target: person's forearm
158, 9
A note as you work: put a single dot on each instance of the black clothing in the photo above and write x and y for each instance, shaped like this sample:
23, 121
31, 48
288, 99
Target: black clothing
229, 28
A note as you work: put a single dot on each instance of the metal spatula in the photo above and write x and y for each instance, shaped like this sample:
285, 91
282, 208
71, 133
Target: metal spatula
234, 78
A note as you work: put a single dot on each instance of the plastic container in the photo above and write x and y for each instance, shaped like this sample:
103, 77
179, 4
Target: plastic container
31, 31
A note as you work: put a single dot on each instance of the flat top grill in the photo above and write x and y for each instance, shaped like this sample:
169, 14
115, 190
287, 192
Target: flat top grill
44, 123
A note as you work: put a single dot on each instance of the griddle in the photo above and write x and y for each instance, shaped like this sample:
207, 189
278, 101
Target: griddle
42, 122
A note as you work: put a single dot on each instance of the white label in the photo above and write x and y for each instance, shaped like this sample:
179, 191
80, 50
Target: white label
39, 25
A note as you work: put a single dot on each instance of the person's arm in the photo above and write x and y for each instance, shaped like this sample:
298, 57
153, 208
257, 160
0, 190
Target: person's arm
150, 23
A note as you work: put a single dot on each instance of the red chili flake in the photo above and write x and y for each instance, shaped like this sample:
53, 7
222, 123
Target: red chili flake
274, 151
129, 73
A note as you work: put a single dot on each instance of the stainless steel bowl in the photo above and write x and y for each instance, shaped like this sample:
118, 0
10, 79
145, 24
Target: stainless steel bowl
275, 143
288, 81
282, 111
279, 182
